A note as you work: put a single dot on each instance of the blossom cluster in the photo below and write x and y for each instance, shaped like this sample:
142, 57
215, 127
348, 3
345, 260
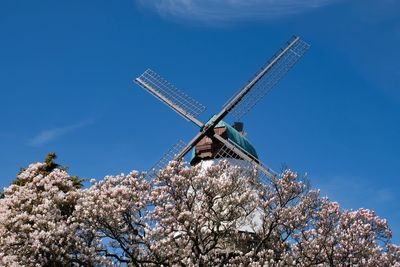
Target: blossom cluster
35, 219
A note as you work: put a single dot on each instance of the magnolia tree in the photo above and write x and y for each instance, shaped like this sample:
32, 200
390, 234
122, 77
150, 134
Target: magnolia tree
221, 215
35, 219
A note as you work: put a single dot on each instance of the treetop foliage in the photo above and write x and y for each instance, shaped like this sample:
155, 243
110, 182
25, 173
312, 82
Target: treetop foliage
49, 166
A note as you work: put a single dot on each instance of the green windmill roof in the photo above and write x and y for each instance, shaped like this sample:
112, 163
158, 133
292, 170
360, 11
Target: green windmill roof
235, 137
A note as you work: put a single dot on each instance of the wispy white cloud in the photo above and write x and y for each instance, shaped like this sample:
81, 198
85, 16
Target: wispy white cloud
49, 135
228, 10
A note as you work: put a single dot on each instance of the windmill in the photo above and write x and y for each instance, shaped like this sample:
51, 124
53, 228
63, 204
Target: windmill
239, 105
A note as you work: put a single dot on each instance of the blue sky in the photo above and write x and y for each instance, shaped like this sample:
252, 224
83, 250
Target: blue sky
66, 71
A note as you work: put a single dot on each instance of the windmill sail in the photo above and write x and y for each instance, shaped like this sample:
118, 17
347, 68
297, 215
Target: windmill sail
178, 101
163, 162
244, 160
267, 77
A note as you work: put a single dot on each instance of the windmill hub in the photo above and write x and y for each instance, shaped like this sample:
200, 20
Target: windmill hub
210, 148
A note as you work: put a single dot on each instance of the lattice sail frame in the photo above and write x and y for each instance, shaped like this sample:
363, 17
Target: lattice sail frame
263, 172
272, 77
163, 162
169, 94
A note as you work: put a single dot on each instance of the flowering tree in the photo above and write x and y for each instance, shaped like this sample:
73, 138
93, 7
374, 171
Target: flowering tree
198, 213
112, 219
219, 215
35, 226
